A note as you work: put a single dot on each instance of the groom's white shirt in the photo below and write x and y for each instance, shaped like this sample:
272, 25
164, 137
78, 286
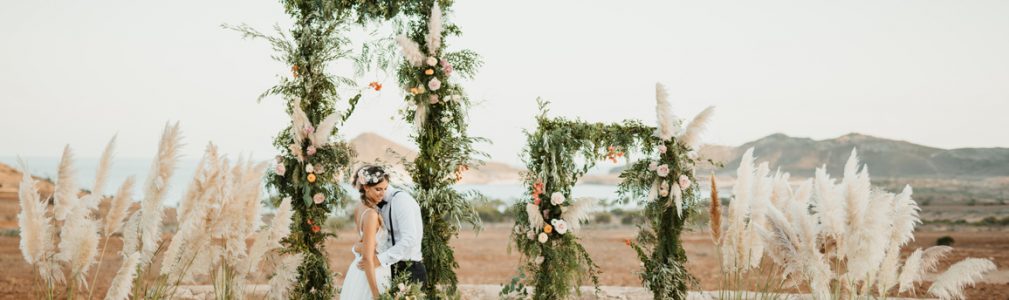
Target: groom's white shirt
408, 228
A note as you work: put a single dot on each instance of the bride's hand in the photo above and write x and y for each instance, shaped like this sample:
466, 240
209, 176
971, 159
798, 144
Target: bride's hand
361, 265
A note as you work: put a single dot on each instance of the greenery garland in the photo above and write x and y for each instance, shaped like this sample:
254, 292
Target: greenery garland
666, 186
311, 164
438, 108
550, 252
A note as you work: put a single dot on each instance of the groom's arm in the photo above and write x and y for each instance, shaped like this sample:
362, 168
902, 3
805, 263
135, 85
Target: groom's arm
407, 221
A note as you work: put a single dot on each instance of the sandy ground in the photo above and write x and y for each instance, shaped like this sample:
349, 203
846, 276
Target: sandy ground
484, 262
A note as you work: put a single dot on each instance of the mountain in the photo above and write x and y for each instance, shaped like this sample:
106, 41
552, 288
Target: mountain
372, 147
885, 157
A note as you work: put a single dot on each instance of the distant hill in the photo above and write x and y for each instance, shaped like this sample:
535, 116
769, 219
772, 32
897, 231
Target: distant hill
885, 157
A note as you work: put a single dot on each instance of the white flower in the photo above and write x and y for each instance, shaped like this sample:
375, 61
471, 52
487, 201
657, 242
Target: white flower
653, 165
663, 170
518, 229
538, 260
662, 149
309, 168
280, 170
401, 286
318, 169
446, 119
684, 182
556, 198
431, 61
531, 235
543, 237
560, 226
318, 198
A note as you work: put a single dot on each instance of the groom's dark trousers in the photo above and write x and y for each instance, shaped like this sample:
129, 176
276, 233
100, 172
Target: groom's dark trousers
415, 270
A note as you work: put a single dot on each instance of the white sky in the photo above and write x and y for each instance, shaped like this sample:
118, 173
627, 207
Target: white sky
930, 72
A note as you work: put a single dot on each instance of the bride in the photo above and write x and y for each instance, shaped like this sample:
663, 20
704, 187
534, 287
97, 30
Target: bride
370, 283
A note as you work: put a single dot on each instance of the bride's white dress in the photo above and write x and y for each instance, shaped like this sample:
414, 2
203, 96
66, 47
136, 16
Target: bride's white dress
355, 283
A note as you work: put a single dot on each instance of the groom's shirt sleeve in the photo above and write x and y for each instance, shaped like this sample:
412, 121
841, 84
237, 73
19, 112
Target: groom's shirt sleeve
407, 222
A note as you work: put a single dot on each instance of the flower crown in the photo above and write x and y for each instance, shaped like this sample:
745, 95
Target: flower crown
364, 177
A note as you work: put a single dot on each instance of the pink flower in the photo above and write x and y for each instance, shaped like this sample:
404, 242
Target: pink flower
434, 84
543, 237
663, 170
311, 150
446, 67
319, 198
684, 182
433, 99
653, 165
662, 149
309, 168
318, 169
309, 129
280, 170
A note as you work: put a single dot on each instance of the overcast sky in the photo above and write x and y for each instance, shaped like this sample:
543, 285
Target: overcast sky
929, 72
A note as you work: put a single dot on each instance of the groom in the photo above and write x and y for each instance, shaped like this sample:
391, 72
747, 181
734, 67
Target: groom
402, 220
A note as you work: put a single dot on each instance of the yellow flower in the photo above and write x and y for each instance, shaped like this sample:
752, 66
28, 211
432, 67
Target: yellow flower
311, 178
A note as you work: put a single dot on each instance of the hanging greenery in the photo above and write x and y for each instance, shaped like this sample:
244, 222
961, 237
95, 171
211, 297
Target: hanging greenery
558, 153
313, 156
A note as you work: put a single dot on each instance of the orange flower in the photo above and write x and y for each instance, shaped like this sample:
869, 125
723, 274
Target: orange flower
309, 222
627, 241
311, 177
316, 228
612, 154
375, 85
294, 70
429, 72
548, 229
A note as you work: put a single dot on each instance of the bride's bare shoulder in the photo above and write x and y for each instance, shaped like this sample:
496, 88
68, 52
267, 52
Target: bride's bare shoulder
371, 217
